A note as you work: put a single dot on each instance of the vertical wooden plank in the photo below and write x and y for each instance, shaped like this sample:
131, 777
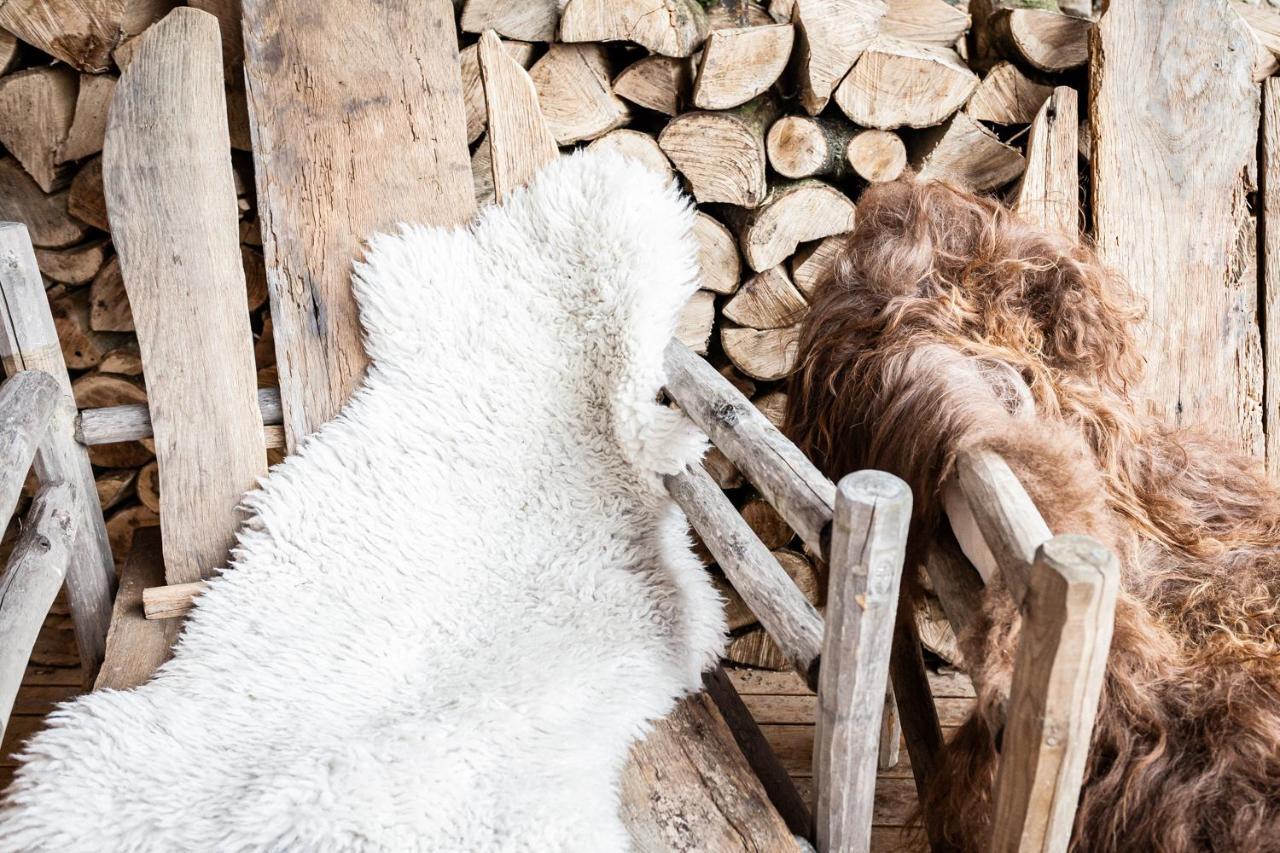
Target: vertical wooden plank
1269, 177
868, 545
172, 201
30, 342
136, 645
520, 142
1049, 194
919, 715
890, 732
358, 124
1057, 682
1174, 115
27, 404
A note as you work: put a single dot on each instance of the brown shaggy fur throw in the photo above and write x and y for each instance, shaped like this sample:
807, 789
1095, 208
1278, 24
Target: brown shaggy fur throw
939, 292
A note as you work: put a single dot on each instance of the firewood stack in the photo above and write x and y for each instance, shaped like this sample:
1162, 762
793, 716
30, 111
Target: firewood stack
773, 117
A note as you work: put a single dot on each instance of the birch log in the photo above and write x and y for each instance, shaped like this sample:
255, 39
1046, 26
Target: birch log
831, 35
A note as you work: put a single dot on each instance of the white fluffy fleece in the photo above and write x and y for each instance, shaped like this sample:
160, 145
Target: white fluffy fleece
458, 604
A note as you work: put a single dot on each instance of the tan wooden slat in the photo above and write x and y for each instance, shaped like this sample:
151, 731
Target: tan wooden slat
29, 341
1050, 191
1172, 145
171, 195
136, 646
358, 124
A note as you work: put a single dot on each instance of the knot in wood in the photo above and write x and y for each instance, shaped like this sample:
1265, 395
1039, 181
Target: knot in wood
726, 413
43, 543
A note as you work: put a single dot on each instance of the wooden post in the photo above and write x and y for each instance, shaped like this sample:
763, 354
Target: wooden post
30, 342
27, 404
30, 584
1067, 622
765, 587
172, 200
776, 467
868, 546
358, 124
1269, 179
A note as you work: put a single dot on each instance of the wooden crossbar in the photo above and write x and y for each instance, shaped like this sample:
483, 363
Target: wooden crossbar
27, 405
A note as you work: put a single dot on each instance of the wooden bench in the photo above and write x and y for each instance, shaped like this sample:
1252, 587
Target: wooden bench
343, 160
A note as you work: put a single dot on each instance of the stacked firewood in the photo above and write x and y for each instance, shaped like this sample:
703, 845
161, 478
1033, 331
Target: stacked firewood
774, 117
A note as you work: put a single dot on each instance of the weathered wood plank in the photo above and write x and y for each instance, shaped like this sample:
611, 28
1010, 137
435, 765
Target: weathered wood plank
1269, 178
135, 646
1057, 682
358, 124
1172, 79
1049, 194
27, 405
170, 190
868, 545
30, 342
31, 582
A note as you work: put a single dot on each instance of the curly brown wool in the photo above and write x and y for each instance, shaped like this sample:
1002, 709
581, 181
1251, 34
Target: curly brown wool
937, 288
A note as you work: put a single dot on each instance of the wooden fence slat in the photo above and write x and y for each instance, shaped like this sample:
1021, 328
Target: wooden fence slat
1174, 220
27, 404
30, 584
868, 546
1057, 681
171, 196
358, 124
782, 473
29, 341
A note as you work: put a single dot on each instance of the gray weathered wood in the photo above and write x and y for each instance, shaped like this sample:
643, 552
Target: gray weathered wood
110, 424
764, 585
1174, 219
770, 461
520, 143
31, 582
868, 546
172, 201
137, 646
916, 709
27, 404
358, 124
1061, 663
30, 342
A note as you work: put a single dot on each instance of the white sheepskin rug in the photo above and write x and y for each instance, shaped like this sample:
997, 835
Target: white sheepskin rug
454, 609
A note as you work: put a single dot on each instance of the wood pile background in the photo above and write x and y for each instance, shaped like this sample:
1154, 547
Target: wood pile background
774, 116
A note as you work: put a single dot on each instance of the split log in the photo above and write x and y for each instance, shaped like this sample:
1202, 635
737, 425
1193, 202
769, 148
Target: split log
1049, 194
231, 35
482, 173
37, 107
126, 360
1264, 25
90, 123
697, 319
966, 152
528, 20
934, 22
773, 406
722, 154
82, 33
46, 216
755, 649
766, 355
658, 83
832, 36
717, 255
255, 278
120, 454
115, 486
85, 200
575, 94
8, 51
76, 265
739, 64
731, 14
339, 122
876, 156
473, 86
666, 27
101, 390
813, 267
1049, 41
806, 577
772, 529
148, 486
744, 384
793, 213
1178, 227
767, 300
170, 185
136, 646
723, 471
637, 145
123, 524
802, 146
171, 600
82, 348
1007, 96
109, 301
897, 83
519, 141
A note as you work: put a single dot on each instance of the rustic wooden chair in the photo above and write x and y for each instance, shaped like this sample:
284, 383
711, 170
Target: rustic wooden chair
336, 162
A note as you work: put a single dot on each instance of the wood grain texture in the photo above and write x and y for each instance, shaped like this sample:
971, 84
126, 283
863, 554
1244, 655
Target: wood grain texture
1172, 79
47, 216
27, 403
868, 545
30, 342
666, 27
1049, 195
782, 473
36, 110
31, 582
358, 124
81, 33
832, 34
136, 647
688, 788
1058, 674
1269, 180
520, 142
575, 94
111, 424
740, 63
169, 187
